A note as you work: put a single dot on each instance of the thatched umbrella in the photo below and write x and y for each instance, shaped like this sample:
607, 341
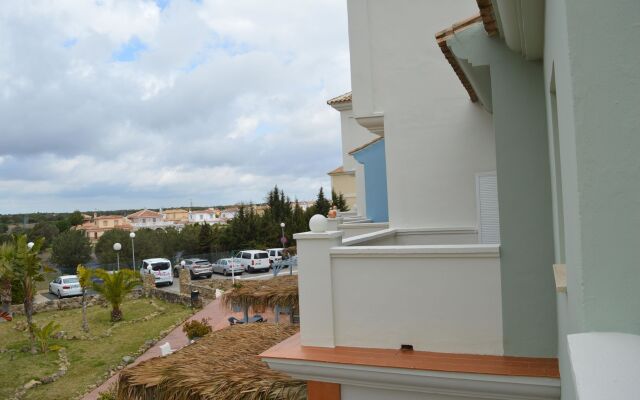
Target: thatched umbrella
221, 365
280, 291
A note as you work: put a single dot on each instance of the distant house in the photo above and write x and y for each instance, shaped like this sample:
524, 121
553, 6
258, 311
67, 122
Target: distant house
208, 216
229, 213
95, 227
177, 215
150, 219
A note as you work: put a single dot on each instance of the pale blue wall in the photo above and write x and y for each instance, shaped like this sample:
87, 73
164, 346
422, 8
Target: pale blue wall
524, 191
375, 178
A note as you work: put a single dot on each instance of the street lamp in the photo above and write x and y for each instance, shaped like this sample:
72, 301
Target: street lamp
117, 247
30, 245
283, 239
132, 235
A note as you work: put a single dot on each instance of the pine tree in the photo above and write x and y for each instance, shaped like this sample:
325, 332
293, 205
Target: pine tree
204, 238
339, 201
322, 205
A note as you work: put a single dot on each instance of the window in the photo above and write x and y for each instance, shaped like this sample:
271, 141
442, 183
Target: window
144, 220
70, 280
259, 256
246, 256
160, 266
154, 220
104, 223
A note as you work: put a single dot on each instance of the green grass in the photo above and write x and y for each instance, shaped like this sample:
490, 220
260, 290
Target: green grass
90, 359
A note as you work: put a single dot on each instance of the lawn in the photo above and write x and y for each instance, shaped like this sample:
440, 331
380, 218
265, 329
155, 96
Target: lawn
90, 358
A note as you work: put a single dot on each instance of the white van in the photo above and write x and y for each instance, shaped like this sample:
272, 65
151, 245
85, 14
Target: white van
253, 260
160, 268
275, 254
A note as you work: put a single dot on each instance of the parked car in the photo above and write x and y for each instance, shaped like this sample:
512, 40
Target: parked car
275, 254
197, 267
66, 285
226, 266
253, 260
160, 268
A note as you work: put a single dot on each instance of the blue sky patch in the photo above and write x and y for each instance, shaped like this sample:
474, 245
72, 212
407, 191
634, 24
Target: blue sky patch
129, 51
69, 43
162, 4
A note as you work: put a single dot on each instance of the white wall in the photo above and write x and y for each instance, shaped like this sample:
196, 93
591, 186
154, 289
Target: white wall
349, 392
356, 229
436, 140
433, 298
353, 135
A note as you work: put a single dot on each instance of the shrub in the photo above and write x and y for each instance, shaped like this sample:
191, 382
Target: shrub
195, 329
44, 334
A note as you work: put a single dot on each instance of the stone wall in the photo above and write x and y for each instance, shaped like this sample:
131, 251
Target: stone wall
59, 304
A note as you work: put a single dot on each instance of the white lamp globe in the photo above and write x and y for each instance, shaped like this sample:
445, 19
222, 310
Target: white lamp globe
318, 223
132, 235
117, 246
30, 245
281, 224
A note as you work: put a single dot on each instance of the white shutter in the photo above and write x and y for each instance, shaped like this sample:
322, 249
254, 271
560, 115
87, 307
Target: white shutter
488, 215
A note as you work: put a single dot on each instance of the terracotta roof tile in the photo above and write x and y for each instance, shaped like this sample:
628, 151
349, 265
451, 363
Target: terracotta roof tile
357, 149
145, 214
488, 16
343, 98
441, 39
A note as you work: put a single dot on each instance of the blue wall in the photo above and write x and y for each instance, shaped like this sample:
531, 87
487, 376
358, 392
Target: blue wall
375, 180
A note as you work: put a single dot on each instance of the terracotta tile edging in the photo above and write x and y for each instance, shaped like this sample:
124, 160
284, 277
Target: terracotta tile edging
291, 349
441, 39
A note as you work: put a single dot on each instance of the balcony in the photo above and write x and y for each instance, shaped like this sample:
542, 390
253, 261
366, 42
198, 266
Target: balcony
435, 289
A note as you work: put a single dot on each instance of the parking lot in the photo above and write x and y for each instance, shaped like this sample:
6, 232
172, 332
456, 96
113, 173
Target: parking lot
245, 276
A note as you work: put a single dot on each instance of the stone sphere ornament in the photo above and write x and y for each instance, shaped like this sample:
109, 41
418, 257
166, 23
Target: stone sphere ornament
318, 223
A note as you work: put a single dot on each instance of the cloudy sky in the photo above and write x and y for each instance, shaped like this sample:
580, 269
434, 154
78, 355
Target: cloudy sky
110, 104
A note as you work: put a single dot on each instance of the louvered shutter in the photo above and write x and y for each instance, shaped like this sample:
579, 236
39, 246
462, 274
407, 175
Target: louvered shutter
489, 219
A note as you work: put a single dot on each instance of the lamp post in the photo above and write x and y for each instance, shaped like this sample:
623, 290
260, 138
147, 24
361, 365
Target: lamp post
132, 235
283, 240
30, 245
117, 247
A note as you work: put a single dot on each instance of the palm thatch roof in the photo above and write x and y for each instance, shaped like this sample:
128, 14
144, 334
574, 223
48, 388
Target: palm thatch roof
280, 291
221, 365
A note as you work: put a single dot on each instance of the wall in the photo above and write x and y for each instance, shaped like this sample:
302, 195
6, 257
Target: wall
593, 64
373, 159
345, 184
350, 392
356, 229
524, 191
436, 140
451, 303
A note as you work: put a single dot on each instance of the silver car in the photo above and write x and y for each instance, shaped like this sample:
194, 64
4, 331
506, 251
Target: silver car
66, 285
226, 266
197, 267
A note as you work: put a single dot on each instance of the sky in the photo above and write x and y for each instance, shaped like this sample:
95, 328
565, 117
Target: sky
123, 104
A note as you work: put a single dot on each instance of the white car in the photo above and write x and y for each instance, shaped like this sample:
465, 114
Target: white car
253, 260
275, 254
226, 266
65, 285
160, 268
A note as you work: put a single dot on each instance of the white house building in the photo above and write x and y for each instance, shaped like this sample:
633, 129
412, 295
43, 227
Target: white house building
207, 216
151, 220
509, 267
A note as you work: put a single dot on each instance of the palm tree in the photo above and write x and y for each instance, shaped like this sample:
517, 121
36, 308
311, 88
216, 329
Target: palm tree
114, 287
84, 276
7, 258
27, 269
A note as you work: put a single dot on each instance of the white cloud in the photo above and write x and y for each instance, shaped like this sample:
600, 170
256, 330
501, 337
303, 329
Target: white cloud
220, 101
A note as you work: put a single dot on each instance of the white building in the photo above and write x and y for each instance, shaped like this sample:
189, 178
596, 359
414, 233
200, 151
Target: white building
208, 216
151, 220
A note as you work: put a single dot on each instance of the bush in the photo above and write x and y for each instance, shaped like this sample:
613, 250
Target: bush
195, 329
44, 334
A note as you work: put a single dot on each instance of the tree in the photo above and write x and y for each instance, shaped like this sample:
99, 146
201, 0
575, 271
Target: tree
75, 218
46, 230
339, 201
322, 205
63, 225
28, 270
7, 259
204, 238
104, 248
84, 277
71, 248
115, 287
